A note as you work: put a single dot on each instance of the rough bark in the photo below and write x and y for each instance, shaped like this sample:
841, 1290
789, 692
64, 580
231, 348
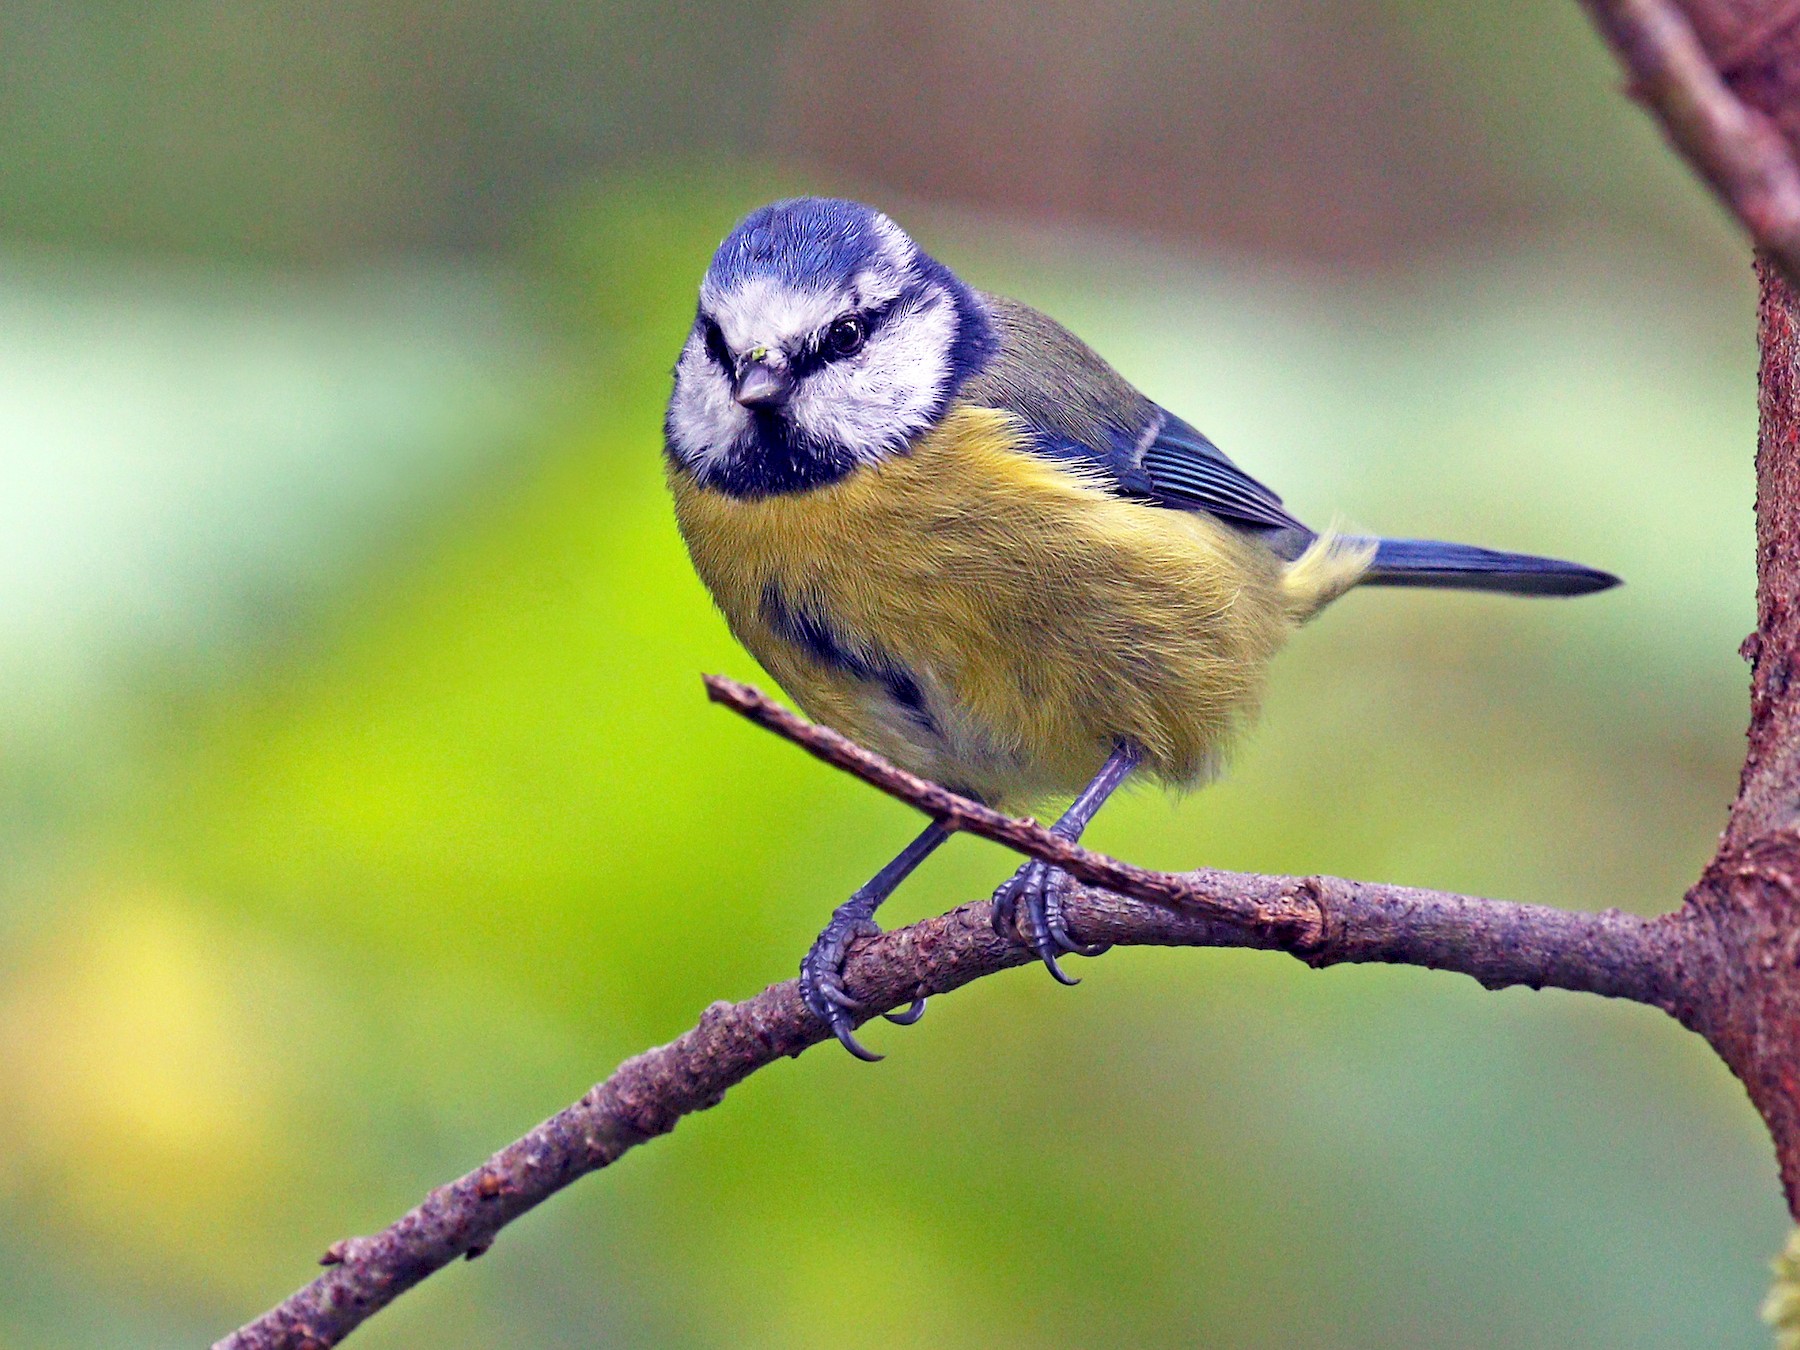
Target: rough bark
1746, 903
1723, 77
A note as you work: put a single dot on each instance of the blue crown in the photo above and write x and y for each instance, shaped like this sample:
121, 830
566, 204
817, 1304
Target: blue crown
813, 242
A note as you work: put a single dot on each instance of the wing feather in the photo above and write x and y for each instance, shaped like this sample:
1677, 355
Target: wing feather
1080, 410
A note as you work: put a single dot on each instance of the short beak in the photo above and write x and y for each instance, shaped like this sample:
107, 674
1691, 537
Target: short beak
761, 384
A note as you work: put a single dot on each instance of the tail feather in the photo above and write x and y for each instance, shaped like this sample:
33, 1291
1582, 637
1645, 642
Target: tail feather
1426, 562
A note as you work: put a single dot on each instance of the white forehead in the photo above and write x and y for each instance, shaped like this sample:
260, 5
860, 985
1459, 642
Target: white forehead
773, 312
768, 312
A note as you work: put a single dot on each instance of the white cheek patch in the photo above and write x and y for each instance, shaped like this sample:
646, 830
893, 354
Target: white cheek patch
873, 403
706, 424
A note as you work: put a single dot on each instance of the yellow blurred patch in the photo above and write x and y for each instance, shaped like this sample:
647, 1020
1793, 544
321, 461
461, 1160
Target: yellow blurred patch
1781, 1310
138, 1103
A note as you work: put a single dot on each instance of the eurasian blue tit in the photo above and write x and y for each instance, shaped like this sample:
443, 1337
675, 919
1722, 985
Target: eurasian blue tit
955, 534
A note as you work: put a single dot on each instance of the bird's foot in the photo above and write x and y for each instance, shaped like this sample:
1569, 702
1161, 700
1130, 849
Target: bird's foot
1030, 904
822, 979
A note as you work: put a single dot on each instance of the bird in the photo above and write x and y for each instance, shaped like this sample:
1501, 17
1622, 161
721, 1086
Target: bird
953, 533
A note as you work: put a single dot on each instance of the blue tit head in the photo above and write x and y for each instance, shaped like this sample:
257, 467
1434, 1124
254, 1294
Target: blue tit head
826, 339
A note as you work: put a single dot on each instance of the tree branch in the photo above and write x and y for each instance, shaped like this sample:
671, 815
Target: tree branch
1725, 964
1723, 76
1321, 920
1734, 147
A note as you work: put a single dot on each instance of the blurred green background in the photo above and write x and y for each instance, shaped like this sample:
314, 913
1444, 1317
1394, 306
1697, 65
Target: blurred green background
359, 805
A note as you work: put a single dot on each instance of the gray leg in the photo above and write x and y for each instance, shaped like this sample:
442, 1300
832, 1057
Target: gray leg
822, 972
1030, 902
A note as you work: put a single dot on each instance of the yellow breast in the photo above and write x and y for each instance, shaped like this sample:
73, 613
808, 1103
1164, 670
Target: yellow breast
1000, 623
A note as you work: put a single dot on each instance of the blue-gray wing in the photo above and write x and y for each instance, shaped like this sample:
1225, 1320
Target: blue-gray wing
1186, 470
1081, 410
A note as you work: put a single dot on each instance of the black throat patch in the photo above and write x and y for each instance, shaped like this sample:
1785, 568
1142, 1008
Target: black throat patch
777, 458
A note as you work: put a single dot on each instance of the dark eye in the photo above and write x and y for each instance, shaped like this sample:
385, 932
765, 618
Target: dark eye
715, 346
846, 336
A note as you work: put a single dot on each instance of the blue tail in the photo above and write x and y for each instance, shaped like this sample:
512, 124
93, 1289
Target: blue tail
1462, 567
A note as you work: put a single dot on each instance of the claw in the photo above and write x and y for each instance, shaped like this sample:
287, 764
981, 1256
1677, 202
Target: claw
840, 1027
1035, 889
831, 1005
1053, 921
1068, 944
822, 969
1037, 933
911, 1015
1047, 954
822, 979
1027, 904
1006, 909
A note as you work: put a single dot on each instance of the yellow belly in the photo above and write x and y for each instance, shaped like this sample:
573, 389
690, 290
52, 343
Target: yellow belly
1042, 620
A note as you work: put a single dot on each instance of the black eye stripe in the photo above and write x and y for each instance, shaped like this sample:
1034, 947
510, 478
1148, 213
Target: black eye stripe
714, 339
816, 351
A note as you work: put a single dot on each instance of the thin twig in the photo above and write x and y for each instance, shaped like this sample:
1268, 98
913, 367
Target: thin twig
1297, 914
1322, 920
1734, 147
